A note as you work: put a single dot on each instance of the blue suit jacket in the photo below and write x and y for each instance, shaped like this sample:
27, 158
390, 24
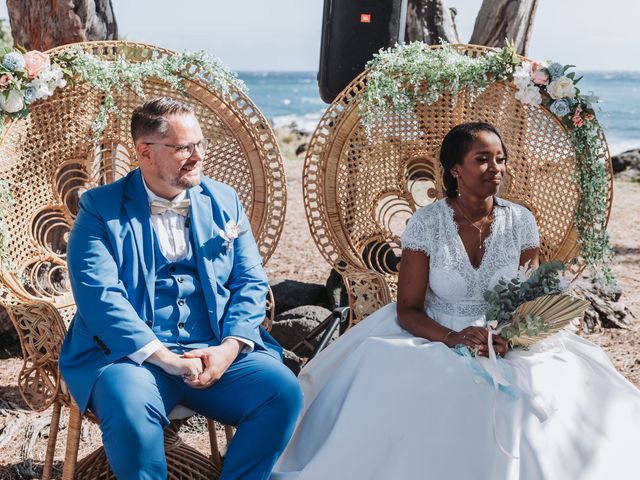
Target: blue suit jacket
112, 272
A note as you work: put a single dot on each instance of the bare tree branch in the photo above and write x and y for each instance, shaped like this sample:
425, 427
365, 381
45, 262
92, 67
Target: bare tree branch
499, 20
431, 21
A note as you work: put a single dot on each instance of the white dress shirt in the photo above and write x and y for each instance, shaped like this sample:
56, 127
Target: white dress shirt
172, 232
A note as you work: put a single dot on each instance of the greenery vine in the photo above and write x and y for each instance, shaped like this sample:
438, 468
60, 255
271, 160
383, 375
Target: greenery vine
396, 79
26, 77
110, 76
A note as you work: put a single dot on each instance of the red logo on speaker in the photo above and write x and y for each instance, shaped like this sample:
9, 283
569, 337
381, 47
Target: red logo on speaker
365, 18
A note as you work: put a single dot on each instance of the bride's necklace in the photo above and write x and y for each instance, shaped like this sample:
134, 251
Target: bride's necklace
473, 224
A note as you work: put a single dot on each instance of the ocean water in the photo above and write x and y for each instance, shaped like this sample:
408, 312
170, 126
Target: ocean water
292, 97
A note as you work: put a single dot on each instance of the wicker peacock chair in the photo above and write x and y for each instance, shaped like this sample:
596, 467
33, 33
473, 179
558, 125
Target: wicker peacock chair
360, 190
49, 159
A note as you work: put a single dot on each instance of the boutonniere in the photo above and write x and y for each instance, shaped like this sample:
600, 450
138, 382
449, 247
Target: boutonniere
230, 233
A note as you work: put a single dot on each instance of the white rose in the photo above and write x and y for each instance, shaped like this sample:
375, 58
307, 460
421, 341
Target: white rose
529, 95
522, 75
13, 102
562, 87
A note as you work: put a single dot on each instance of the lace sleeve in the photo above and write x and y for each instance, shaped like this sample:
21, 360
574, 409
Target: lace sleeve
528, 231
418, 235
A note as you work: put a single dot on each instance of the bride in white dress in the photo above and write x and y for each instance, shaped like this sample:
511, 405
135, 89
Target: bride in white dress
391, 399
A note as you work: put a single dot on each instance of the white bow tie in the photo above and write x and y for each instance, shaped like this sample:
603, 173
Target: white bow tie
161, 206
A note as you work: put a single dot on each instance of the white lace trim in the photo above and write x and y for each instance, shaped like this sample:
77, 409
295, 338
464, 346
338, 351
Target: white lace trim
433, 231
418, 234
529, 236
461, 309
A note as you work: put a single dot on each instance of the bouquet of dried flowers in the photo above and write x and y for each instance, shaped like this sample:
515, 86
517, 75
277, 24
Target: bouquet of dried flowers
532, 305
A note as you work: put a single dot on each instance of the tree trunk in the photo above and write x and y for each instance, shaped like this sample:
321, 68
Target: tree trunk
44, 24
430, 21
499, 20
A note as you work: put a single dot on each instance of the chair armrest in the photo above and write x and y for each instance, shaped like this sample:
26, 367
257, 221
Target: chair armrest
41, 331
270, 311
367, 291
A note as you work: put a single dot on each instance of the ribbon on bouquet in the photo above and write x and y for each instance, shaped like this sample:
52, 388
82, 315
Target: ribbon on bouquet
498, 373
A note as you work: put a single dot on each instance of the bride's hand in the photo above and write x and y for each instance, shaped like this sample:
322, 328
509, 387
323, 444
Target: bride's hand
500, 345
472, 337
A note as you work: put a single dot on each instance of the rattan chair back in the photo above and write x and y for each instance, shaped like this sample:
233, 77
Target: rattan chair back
361, 188
50, 158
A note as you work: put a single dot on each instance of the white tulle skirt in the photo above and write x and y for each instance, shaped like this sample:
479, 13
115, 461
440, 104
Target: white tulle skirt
383, 404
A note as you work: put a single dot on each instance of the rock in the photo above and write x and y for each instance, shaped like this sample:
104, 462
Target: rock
336, 290
290, 294
301, 149
626, 160
291, 327
630, 174
606, 310
294, 362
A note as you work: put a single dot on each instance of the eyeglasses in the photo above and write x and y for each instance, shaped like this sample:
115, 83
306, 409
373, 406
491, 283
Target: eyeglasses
185, 151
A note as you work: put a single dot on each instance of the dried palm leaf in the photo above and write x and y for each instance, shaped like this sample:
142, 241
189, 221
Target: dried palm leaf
545, 315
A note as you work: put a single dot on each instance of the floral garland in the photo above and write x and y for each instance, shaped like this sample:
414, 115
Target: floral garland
29, 76
395, 80
26, 77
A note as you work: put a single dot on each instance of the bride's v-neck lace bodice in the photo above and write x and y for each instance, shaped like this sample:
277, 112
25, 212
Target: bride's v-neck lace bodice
456, 288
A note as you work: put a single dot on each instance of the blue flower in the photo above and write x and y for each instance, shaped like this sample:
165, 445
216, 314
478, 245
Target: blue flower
13, 61
30, 94
560, 107
555, 70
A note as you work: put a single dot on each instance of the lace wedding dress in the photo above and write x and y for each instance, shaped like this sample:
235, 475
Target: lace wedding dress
383, 404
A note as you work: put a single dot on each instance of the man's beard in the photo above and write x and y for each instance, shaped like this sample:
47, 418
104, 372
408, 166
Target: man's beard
185, 183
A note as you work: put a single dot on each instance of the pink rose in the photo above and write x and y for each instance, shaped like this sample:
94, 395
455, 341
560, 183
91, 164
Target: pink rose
36, 62
5, 80
577, 119
539, 75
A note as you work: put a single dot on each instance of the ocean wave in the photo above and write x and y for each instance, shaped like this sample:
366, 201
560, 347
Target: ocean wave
307, 122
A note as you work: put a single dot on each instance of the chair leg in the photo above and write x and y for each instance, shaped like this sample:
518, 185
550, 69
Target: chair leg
73, 442
216, 458
51, 444
228, 431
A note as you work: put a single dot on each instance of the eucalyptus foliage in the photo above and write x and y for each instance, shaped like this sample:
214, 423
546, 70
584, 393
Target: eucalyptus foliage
508, 295
402, 77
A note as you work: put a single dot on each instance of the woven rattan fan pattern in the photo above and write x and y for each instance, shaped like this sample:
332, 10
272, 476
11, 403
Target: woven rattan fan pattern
360, 189
50, 158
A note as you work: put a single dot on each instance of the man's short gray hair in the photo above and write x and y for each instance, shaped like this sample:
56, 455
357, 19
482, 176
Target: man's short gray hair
150, 117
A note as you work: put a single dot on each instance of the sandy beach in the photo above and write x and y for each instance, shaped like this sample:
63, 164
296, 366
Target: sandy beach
297, 258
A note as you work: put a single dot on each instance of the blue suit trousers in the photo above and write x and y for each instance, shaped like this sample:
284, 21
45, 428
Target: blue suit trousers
258, 394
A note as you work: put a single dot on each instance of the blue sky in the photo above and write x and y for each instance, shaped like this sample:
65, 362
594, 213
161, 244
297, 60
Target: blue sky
285, 34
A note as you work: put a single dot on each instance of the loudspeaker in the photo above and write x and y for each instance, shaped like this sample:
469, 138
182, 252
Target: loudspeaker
352, 31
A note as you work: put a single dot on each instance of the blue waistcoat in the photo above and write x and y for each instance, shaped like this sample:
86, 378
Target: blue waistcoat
180, 318
112, 272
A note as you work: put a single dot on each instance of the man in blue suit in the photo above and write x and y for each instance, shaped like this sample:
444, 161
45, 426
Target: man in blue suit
171, 292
